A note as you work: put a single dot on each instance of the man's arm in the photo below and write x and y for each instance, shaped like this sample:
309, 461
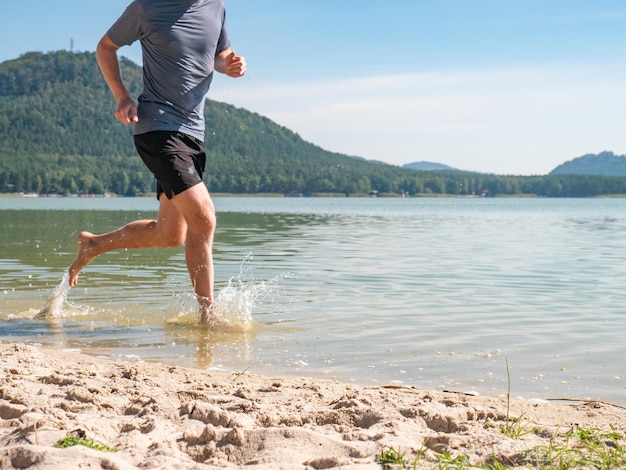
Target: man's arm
106, 54
228, 63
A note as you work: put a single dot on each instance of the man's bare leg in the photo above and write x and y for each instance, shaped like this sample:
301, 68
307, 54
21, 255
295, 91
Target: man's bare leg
196, 206
168, 231
187, 218
199, 257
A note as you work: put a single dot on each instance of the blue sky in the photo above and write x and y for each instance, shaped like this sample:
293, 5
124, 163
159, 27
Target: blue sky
498, 86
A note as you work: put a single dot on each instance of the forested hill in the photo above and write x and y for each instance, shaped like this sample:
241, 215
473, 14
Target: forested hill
604, 163
58, 135
428, 166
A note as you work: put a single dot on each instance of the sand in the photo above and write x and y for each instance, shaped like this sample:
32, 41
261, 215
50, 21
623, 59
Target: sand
162, 417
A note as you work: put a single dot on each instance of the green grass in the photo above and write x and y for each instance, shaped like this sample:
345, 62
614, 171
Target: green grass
580, 448
78, 438
516, 429
575, 448
391, 457
513, 427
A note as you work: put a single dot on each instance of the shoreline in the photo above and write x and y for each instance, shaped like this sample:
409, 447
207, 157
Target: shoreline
177, 418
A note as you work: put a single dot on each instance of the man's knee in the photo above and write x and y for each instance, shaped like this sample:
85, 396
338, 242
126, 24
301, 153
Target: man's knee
168, 233
197, 208
203, 221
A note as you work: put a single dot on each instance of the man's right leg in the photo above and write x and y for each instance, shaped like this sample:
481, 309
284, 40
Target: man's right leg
169, 230
196, 206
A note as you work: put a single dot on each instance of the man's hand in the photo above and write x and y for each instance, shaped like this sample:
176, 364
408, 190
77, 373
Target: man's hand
126, 111
230, 64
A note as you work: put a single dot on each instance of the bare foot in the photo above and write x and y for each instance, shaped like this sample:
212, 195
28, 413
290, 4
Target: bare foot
206, 309
86, 253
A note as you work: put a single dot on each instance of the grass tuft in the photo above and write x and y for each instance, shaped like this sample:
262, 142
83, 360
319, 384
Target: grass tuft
79, 438
391, 457
581, 448
575, 448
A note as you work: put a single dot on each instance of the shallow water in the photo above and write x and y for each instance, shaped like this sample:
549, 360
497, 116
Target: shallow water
435, 293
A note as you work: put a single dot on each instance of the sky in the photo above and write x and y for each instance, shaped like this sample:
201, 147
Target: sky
496, 86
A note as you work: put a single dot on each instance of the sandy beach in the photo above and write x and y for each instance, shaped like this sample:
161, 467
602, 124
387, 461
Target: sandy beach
160, 417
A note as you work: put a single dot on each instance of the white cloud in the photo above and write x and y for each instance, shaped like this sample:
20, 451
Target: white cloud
506, 120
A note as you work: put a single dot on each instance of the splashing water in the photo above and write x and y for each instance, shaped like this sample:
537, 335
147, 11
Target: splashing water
233, 307
54, 303
231, 313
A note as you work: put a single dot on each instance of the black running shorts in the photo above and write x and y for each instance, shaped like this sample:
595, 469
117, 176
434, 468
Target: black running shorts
175, 159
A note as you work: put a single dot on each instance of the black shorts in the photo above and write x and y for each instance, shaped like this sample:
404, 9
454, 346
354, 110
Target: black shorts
175, 159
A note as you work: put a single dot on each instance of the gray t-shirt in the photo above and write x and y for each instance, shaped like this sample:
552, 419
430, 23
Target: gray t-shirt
179, 42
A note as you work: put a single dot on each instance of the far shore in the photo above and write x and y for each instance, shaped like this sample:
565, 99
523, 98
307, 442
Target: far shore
314, 195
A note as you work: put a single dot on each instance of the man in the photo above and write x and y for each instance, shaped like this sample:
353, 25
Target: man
183, 42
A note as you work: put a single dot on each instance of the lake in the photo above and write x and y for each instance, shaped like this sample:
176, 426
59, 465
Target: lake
428, 292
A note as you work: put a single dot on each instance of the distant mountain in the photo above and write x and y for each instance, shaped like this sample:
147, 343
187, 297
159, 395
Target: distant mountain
604, 163
428, 166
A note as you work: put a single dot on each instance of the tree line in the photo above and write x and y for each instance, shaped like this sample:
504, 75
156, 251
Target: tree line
58, 135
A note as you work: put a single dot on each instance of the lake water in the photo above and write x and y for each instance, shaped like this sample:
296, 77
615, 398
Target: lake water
433, 293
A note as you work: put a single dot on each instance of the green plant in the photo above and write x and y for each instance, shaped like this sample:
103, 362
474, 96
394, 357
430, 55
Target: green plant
495, 465
514, 427
79, 438
390, 457
576, 448
447, 462
580, 448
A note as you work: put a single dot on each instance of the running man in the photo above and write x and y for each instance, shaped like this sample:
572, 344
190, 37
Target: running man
182, 43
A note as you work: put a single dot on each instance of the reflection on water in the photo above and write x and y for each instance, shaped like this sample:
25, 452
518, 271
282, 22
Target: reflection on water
429, 292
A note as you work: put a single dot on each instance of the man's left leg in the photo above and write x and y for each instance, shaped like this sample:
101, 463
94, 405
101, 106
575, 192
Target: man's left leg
168, 230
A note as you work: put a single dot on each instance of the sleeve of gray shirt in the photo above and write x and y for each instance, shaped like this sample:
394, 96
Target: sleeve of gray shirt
130, 27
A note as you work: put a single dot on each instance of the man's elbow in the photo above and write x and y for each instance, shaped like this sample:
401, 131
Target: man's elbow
105, 45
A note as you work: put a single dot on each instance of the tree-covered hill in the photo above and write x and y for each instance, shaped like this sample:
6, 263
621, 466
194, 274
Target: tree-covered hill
604, 163
56, 128
58, 135
427, 166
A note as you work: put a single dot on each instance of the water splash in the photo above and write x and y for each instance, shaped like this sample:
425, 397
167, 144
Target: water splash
234, 304
54, 304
